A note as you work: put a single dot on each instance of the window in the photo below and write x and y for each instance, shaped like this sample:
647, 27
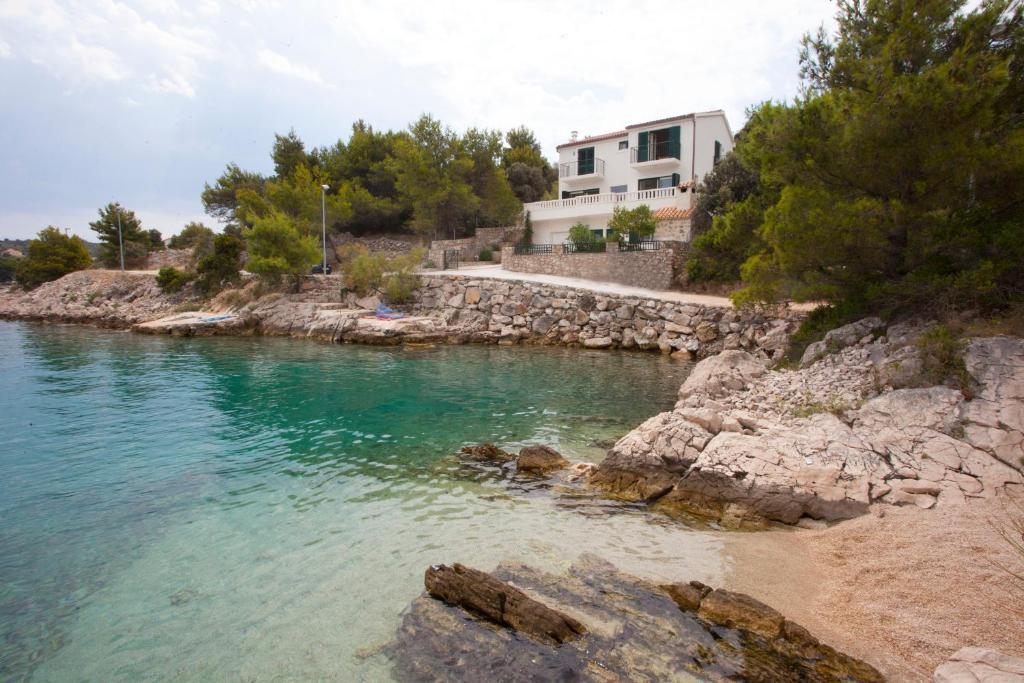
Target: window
718, 152
585, 161
623, 144
619, 189
659, 144
579, 193
664, 181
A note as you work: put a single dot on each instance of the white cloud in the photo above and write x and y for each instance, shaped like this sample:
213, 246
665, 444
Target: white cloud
278, 63
5, 49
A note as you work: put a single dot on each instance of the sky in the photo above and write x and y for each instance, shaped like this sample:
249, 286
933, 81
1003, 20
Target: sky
143, 102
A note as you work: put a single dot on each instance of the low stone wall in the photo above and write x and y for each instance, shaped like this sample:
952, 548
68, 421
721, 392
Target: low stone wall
470, 247
651, 269
484, 310
173, 258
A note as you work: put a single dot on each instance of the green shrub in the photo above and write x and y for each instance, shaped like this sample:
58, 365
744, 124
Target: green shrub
486, 255
395, 278
8, 267
52, 255
637, 223
171, 280
221, 266
277, 249
942, 359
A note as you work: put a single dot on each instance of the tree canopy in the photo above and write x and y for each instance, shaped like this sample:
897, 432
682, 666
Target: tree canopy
51, 255
428, 178
137, 241
896, 178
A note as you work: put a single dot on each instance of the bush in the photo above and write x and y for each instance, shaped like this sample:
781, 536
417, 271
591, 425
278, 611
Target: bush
221, 266
584, 239
192, 235
486, 254
366, 273
171, 280
637, 223
52, 255
277, 249
942, 359
8, 267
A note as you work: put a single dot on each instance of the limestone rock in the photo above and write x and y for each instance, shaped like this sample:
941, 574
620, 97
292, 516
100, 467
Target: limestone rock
979, 665
487, 451
718, 375
499, 602
539, 459
634, 631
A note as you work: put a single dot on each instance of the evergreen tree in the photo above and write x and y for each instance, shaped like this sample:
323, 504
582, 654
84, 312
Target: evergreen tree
136, 240
51, 255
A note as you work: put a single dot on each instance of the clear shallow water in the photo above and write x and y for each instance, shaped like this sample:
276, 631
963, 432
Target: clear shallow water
263, 509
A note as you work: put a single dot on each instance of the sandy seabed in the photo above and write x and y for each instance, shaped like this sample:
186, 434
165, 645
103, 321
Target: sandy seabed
902, 591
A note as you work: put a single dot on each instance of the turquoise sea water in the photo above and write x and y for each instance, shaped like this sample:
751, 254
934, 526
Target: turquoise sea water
263, 509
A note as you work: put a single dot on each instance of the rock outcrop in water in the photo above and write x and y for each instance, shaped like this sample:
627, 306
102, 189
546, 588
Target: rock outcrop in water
745, 444
616, 628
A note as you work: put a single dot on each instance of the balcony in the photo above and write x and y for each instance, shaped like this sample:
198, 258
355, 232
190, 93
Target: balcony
600, 204
579, 171
660, 154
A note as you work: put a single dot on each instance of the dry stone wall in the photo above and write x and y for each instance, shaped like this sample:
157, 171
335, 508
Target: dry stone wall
511, 312
650, 269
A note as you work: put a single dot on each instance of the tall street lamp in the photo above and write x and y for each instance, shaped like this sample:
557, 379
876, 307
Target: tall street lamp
323, 213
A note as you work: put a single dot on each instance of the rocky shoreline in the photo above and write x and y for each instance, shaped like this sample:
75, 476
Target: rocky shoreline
444, 309
850, 430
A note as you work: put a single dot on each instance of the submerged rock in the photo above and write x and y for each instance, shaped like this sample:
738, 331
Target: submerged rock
487, 452
618, 628
539, 459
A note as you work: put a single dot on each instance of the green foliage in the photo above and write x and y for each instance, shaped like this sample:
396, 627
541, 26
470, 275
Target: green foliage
486, 254
156, 240
193, 235
637, 223
171, 280
901, 167
276, 247
136, 240
942, 358
220, 268
821, 320
289, 153
527, 237
51, 255
584, 239
528, 172
8, 267
221, 199
728, 212
395, 277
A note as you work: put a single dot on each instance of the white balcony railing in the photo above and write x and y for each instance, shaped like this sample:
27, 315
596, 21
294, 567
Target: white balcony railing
607, 198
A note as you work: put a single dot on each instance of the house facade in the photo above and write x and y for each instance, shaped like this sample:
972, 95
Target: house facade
657, 163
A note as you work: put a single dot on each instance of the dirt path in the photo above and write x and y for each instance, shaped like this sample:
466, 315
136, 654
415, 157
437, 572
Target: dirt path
902, 592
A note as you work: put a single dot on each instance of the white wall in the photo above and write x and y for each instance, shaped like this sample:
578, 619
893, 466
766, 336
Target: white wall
711, 127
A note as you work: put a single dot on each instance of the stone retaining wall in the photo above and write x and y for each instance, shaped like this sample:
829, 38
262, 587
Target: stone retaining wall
509, 312
470, 247
650, 269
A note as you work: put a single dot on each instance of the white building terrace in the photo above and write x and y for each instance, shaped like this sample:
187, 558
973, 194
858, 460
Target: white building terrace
657, 163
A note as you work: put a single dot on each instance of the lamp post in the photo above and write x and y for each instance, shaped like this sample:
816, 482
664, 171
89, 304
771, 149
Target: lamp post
323, 214
120, 239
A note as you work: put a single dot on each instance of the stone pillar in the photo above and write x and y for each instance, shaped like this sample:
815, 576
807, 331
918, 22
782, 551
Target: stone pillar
611, 246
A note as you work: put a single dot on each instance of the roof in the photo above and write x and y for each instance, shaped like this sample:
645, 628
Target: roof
12, 252
657, 121
669, 213
593, 138
623, 133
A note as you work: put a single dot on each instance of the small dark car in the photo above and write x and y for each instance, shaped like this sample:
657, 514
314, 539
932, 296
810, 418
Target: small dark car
318, 269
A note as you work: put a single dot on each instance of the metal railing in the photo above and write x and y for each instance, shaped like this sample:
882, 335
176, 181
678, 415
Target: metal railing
641, 245
532, 249
666, 149
577, 168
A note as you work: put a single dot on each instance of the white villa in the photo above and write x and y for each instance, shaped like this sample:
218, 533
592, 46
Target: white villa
657, 163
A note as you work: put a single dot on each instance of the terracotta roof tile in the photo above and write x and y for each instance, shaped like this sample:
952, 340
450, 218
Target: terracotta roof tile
593, 138
669, 213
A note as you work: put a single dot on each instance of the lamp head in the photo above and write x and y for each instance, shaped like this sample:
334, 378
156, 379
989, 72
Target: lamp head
326, 187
